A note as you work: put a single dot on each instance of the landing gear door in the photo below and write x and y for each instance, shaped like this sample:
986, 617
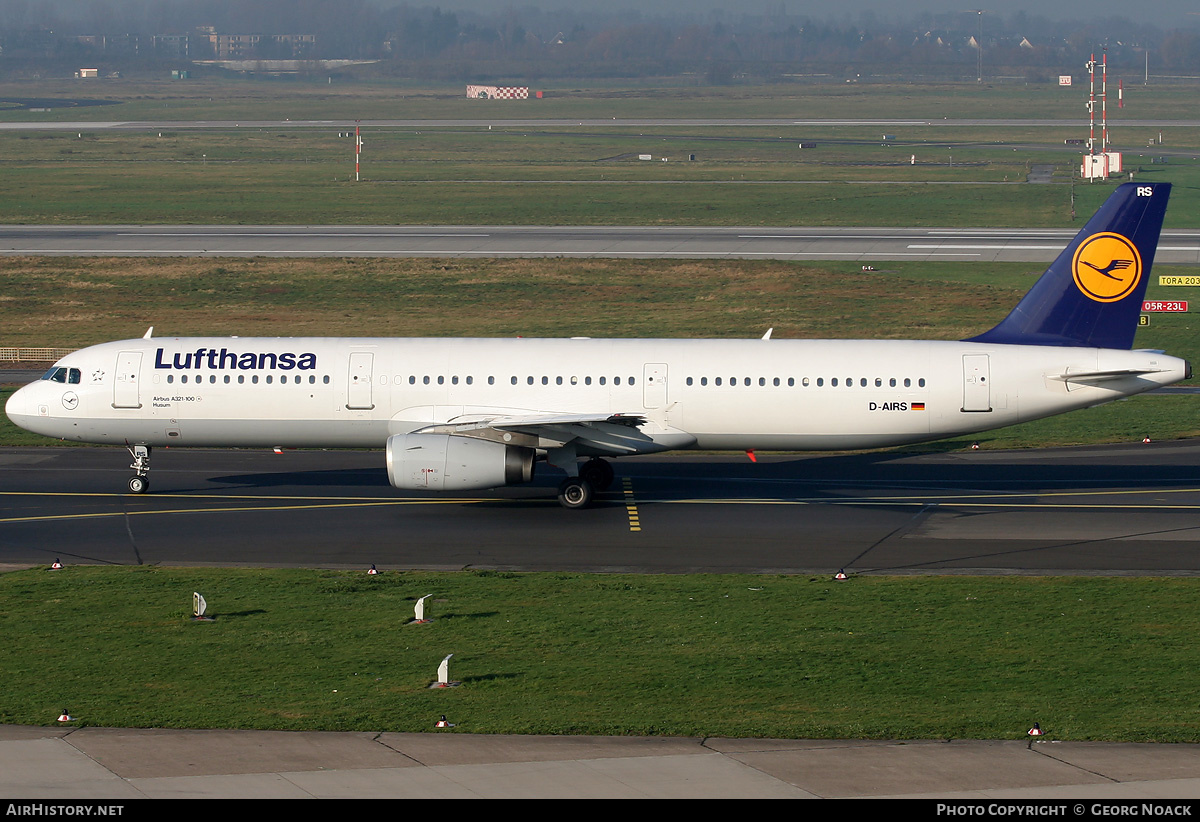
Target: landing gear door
977, 383
654, 384
125, 385
358, 381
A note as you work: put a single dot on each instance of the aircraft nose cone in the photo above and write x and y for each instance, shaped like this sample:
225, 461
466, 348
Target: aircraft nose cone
19, 407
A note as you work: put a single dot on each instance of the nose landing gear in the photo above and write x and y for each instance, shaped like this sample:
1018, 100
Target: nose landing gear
139, 483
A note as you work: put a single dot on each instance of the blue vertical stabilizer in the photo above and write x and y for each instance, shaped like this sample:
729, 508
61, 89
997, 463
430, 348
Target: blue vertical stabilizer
1092, 294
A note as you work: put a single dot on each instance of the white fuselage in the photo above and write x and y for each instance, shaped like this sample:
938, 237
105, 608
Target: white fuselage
710, 394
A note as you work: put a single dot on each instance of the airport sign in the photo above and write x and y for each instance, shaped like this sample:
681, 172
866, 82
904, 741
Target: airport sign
1176, 279
1165, 305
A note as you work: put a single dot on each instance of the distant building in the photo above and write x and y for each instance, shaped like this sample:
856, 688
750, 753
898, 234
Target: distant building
498, 92
233, 46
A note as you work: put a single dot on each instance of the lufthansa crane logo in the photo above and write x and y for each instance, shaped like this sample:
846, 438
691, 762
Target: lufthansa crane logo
1107, 267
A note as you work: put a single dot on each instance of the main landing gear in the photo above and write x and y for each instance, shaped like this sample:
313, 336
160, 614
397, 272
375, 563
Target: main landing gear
578, 492
139, 483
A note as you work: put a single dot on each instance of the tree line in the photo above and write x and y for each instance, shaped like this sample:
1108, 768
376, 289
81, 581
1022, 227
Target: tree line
427, 42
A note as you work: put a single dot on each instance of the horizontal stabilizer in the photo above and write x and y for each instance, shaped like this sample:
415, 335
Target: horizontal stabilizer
1100, 376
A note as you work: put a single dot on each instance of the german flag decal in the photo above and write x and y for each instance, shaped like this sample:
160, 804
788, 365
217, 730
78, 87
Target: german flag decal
918, 406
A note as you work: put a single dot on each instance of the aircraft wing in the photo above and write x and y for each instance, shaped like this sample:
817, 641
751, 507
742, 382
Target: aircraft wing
610, 434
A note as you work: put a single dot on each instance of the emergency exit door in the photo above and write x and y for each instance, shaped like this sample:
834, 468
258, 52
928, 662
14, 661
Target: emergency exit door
126, 393
977, 383
358, 381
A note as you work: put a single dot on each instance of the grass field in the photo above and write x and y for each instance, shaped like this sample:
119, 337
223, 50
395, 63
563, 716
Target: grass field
772, 656
920, 174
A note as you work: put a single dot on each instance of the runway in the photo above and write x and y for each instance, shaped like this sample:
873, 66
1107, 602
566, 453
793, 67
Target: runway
867, 245
1127, 509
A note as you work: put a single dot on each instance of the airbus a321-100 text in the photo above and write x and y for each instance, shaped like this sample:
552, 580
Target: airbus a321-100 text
469, 414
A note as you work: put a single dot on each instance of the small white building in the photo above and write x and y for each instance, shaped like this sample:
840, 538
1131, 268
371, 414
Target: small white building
498, 92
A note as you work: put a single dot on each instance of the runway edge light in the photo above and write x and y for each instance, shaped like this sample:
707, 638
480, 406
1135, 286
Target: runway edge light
200, 608
1036, 730
56, 565
840, 574
443, 675
65, 717
419, 613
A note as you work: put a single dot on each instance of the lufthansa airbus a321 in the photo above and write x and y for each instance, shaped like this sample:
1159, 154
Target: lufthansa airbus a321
468, 414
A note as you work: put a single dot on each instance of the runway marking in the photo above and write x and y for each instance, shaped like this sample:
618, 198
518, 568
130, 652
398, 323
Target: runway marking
635, 520
1005, 247
631, 503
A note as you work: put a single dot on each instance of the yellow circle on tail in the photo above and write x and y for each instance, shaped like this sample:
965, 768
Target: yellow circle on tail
1107, 267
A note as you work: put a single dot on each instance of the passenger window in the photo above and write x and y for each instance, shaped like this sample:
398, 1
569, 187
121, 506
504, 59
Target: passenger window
907, 382
227, 379
704, 380
616, 380
892, 382
921, 382
325, 379
777, 380
717, 381
689, 380
241, 379
792, 381
254, 379
832, 382
603, 380
863, 382
170, 379
269, 379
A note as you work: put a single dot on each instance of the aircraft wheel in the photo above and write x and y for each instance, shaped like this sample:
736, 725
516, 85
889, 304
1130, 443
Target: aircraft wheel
139, 484
598, 472
575, 493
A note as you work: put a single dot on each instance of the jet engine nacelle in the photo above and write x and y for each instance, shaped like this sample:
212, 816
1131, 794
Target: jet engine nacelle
440, 462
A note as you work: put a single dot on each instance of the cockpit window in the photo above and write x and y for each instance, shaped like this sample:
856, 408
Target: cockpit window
61, 373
